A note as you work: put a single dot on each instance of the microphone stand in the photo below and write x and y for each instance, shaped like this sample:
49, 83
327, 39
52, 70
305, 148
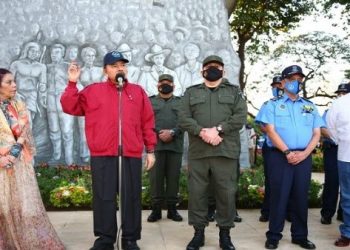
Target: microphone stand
120, 160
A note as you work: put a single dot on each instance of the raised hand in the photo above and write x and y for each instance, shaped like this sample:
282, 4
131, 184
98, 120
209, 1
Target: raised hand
73, 72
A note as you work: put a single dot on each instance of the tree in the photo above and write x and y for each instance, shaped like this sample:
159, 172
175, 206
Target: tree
230, 6
330, 3
347, 73
314, 50
254, 18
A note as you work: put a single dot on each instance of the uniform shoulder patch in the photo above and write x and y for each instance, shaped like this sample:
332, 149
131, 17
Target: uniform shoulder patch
275, 98
307, 100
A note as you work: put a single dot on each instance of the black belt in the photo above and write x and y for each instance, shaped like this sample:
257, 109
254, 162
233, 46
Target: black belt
290, 149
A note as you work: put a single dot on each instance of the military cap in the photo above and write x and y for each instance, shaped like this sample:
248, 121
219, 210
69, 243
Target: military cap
344, 87
213, 58
113, 57
166, 77
292, 70
276, 79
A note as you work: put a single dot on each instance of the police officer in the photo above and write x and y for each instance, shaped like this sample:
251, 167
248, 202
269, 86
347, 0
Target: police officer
168, 151
331, 179
293, 129
212, 113
277, 92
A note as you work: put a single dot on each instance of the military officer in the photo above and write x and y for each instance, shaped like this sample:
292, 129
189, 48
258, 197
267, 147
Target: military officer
277, 92
212, 113
293, 129
168, 151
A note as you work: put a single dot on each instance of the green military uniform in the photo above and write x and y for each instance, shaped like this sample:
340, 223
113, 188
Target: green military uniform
168, 155
206, 108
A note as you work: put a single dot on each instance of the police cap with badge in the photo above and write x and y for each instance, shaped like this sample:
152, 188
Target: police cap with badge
292, 70
343, 88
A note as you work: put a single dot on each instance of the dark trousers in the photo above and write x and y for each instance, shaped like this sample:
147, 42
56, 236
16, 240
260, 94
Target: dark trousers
105, 188
288, 182
222, 172
211, 190
331, 182
164, 177
265, 211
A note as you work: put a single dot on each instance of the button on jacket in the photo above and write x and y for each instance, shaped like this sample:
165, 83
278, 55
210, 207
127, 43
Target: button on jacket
167, 116
205, 108
294, 121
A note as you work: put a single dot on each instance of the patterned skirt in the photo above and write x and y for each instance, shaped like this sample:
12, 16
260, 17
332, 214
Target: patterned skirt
24, 224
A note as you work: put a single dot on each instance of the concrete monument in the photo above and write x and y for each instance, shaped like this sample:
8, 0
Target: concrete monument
40, 38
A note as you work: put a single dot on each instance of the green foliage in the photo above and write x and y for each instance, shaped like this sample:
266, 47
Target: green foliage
315, 194
258, 21
317, 161
314, 50
64, 187
347, 73
71, 195
251, 188
146, 191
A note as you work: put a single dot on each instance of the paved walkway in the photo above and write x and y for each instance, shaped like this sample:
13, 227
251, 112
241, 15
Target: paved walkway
75, 230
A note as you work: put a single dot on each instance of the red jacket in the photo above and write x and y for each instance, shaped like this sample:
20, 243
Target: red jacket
98, 102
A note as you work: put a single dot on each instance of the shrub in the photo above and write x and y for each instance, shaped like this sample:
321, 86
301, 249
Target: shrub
70, 187
71, 195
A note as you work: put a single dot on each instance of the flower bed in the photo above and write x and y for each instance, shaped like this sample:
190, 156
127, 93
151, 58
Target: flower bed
70, 188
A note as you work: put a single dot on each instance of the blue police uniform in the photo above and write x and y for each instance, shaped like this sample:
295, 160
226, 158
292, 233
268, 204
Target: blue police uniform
331, 179
294, 122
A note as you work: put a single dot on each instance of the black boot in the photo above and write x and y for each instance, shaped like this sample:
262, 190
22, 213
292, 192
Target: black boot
197, 240
225, 239
237, 218
173, 214
211, 213
129, 245
156, 213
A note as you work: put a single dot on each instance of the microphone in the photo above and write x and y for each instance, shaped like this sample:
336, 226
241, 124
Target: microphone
120, 78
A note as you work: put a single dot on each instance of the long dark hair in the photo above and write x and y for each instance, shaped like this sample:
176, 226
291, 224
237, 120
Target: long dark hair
3, 72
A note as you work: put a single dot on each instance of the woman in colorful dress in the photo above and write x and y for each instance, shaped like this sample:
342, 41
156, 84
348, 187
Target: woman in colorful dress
24, 223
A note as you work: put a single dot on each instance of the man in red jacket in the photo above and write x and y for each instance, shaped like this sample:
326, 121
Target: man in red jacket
99, 103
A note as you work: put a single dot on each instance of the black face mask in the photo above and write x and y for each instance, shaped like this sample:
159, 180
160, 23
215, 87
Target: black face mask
166, 89
212, 74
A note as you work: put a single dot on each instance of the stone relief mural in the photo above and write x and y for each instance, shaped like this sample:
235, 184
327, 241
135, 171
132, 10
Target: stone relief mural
41, 37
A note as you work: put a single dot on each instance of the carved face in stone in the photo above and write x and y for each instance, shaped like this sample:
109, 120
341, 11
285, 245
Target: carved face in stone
33, 53
72, 53
149, 36
56, 55
191, 51
88, 55
159, 59
116, 37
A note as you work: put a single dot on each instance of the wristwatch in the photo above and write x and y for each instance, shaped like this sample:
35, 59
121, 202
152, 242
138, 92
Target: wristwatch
219, 129
286, 152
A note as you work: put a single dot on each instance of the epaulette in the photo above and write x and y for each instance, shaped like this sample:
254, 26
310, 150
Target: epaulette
176, 97
152, 96
307, 100
193, 86
276, 98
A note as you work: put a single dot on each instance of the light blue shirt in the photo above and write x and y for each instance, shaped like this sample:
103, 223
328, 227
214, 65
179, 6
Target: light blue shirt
294, 121
325, 139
